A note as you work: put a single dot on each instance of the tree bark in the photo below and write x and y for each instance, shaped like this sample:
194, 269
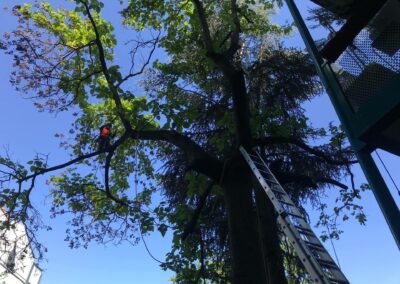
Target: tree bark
272, 253
254, 240
247, 261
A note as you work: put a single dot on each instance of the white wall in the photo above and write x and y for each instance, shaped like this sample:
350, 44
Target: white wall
14, 245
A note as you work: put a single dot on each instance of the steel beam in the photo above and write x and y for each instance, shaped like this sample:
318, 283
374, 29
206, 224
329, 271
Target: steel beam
363, 152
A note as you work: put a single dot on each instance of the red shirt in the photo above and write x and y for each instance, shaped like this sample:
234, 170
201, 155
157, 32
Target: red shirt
105, 131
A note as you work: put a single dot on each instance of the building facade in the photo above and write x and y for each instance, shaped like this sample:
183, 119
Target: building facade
17, 263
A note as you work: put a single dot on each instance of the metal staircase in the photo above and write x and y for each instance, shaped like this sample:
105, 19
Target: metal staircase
316, 260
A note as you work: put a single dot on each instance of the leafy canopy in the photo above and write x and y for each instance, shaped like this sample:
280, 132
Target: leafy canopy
212, 73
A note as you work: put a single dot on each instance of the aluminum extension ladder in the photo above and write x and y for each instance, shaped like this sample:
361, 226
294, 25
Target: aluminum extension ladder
316, 260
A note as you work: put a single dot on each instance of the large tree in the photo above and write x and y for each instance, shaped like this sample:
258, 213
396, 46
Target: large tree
215, 76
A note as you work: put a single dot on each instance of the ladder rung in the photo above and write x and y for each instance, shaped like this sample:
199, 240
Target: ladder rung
287, 203
254, 156
278, 190
337, 281
290, 209
271, 181
294, 224
284, 197
257, 158
327, 263
336, 276
300, 228
315, 246
261, 167
312, 238
267, 175
292, 214
270, 178
305, 231
324, 257
266, 172
258, 163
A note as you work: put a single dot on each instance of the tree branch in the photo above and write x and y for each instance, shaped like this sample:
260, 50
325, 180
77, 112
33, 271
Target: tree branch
76, 160
204, 25
197, 158
218, 58
61, 166
102, 58
294, 141
234, 46
130, 75
310, 181
190, 227
233, 74
107, 177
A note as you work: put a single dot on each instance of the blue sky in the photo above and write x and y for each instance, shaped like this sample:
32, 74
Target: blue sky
367, 254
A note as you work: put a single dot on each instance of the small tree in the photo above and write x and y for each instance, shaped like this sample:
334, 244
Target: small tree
223, 78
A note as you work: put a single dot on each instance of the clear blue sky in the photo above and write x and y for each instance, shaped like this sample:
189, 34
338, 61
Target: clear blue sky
367, 254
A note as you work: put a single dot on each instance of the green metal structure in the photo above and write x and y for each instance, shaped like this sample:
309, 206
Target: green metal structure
361, 73
340, 7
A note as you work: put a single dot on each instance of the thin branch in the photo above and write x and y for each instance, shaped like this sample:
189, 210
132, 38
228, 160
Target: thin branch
73, 161
144, 65
353, 186
61, 166
331, 181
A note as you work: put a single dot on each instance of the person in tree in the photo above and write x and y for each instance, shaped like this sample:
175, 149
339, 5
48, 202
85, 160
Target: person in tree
105, 136
227, 80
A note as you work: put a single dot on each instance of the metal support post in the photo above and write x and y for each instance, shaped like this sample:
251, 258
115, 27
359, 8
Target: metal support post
382, 194
379, 188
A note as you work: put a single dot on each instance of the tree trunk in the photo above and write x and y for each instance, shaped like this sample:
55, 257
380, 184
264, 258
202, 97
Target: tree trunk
270, 239
256, 257
247, 261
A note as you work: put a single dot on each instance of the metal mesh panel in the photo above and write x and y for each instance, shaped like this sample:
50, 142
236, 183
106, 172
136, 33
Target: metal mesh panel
372, 61
387, 41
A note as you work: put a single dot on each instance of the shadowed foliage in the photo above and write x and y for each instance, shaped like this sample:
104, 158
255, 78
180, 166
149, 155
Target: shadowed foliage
213, 75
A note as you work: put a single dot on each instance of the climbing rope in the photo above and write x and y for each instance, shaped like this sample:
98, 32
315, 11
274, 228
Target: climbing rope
136, 181
387, 171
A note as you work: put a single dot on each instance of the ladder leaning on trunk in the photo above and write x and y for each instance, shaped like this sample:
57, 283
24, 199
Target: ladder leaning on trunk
316, 260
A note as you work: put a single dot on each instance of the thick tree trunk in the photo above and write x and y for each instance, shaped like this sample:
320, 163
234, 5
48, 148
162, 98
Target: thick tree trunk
270, 239
247, 261
256, 258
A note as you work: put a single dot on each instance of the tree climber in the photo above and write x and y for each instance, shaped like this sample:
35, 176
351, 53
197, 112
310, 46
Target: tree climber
105, 136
